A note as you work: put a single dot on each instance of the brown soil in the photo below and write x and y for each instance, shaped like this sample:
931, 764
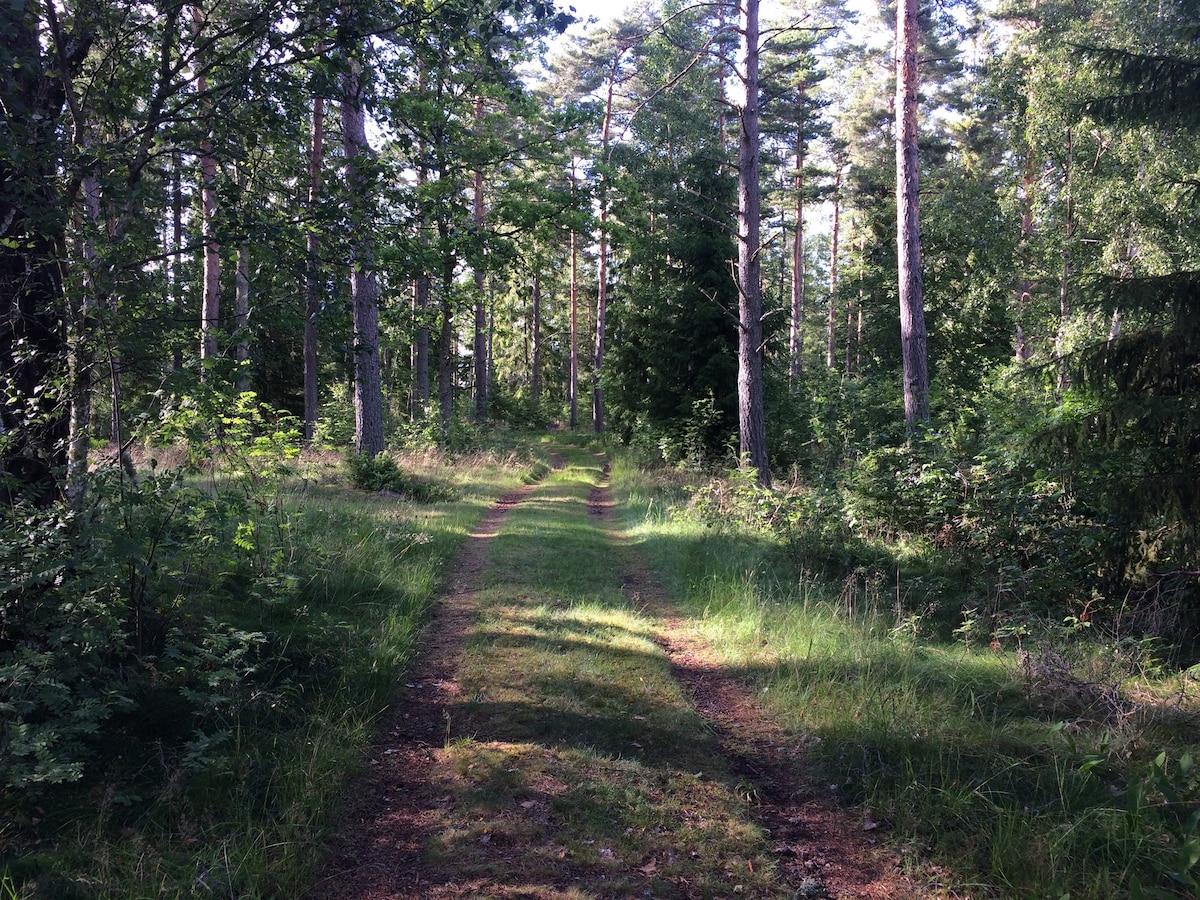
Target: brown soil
377, 852
814, 840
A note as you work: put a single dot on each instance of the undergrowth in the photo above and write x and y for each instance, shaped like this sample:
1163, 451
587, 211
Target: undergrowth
1003, 750
381, 473
189, 669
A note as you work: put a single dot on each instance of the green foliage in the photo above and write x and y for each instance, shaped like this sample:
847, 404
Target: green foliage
105, 618
997, 757
824, 420
95, 629
1165, 802
517, 410
380, 473
60, 653
335, 424
670, 371
811, 524
738, 501
185, 681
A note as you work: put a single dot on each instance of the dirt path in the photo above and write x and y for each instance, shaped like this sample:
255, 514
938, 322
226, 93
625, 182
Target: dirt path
815, 843
377, 852
393, 807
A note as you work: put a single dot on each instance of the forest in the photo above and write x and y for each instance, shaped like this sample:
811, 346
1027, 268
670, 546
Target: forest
899, 298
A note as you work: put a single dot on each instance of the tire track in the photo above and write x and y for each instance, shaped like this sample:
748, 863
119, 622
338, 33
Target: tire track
815, 843
376, 852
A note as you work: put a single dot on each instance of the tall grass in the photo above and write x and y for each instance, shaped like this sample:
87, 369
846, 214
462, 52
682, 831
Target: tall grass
242, 812
990, 777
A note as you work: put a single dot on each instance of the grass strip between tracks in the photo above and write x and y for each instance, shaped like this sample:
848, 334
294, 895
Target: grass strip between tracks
574, 764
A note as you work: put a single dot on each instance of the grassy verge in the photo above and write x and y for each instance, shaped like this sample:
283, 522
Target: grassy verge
576, 766
226, 794
1026, 770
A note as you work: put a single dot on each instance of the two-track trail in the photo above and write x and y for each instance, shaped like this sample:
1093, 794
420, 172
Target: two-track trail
564, 734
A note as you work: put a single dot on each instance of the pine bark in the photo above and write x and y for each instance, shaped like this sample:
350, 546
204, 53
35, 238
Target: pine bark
602, 277
82, 358
241, 313
364, 287
573, 363
1024, 285
33, 344
480, 343
312, 277
447, 335
535, 363
422, 286
241, 300
796, 337
831, 324
752, 430
421, 295
1064, 283
573, 377
908, 233
177, 249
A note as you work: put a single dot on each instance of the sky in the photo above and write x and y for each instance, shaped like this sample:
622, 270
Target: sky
604, 10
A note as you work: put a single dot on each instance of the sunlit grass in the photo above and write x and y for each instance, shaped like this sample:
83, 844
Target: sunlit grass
564, 815
575, 751
983, 781
573, 738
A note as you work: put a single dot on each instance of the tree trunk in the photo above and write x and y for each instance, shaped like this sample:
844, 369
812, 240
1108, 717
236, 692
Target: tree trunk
210, 309
241, 300
573, 363
82, 358
849, 334
573, 377
421, 292
722, 78
177, 298
535, 365
602, 277
242, 314
364, 288
447, 337
33, 346
796, 343
752, 430
312, 275
1024, 285
908, 232
1064, 291
480, 343
858, 332
601, 314
831, 325
858, 340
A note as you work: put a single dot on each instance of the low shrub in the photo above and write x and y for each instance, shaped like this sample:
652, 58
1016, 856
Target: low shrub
381, 473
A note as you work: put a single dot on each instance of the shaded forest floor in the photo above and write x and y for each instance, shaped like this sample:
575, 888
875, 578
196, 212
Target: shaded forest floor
565, 733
